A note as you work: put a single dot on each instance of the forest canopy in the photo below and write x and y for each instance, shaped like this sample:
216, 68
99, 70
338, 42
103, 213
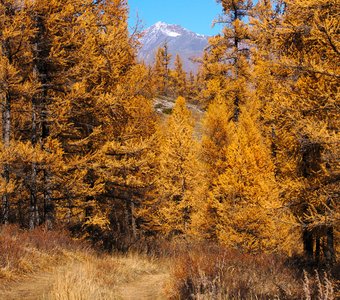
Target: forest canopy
83, 146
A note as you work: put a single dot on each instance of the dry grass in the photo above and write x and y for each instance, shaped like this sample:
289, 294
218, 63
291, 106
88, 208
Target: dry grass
80, 280
98, 277
50, 265
211, 272
321, 287
26, 252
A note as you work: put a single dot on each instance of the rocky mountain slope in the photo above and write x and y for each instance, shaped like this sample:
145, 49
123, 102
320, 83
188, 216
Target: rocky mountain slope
180, 40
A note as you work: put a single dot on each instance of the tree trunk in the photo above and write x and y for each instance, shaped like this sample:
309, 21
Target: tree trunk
130, 219
48, 204
6, 132
40, 130
330, 250
236, 109
34, 212
236, 62
307, 237
133, 220
317, 250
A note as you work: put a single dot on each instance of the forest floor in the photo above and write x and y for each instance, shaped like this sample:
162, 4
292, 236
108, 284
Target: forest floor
135, 278
50, 265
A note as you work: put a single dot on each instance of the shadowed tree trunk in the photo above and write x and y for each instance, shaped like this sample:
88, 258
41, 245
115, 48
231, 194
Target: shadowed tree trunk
34, 213
317, 249
330, 249
6, 115
307, 237
6, 132
40, 129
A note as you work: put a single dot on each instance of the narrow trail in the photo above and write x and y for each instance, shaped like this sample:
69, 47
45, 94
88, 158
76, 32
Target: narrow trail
31, 288
37, 287
145, 287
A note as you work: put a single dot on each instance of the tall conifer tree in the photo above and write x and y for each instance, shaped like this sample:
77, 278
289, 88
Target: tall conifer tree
161, 74
180, 175
178, 78
306, 56
16, 29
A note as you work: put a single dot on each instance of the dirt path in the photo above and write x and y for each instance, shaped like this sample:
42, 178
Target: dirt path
145, 287
37, 287
32, 288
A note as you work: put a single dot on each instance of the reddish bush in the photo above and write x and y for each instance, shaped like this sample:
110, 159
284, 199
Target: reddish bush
212, 272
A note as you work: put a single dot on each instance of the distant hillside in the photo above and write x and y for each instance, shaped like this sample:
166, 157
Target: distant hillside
180, 40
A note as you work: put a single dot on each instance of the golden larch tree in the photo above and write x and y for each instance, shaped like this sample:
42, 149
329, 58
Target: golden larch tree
179, 181
306, 56
178, 78
161, 70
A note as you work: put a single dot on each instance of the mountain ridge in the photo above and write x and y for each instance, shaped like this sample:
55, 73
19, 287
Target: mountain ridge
180, 40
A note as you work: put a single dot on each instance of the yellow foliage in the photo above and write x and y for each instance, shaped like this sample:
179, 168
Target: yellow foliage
179, 183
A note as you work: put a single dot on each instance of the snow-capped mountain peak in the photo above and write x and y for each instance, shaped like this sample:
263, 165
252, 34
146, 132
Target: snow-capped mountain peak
186, 43
159, 25
163, 28
171, 33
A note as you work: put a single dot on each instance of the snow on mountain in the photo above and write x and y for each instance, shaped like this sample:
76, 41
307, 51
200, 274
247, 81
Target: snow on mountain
180, 40
163, 27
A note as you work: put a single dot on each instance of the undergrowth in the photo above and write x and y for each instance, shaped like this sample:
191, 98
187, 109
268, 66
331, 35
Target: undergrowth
198, 270
65, 268
212, 272
23, 252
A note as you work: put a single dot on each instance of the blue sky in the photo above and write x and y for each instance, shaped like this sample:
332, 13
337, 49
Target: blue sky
195, 15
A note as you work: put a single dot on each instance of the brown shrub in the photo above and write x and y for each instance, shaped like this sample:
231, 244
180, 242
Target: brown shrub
212, 272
